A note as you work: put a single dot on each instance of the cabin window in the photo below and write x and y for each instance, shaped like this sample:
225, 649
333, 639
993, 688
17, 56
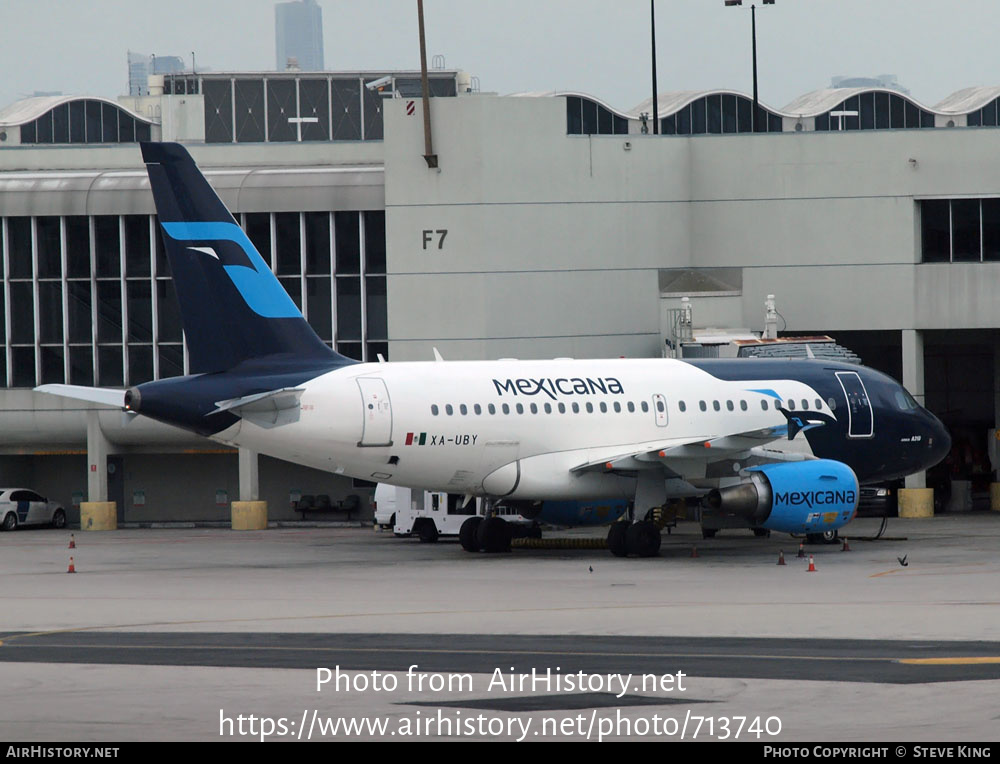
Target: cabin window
743, 405
618, 407
805, 405
548, 408
716, 406
659, 406
702, 406
730, 406
763, 404
791, 404
590, 408
478, 409
506, 409
819, 405
604, 407
645, 407
492, 409
682, 406
434, 410
631, 407
520, 408
832, 404
562, 408
464, 409
449, 410
576, 408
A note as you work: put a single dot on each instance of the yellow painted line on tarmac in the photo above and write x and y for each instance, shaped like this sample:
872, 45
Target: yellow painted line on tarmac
971, 661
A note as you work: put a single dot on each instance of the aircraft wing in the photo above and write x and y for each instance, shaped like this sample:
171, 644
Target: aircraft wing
681, 455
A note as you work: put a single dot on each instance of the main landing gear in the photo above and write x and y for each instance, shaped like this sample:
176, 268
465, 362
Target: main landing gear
493, 534
641, 539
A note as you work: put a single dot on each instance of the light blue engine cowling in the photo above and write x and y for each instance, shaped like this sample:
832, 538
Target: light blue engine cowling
794, 497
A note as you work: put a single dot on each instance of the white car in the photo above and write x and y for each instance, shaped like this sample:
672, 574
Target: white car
19, 506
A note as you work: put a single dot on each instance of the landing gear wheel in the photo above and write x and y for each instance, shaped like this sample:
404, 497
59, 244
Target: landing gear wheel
59, 519
10, 522
760, 532
616, 539
708, 533
827, 537
428, 533
643, 539
493, 535
468, 534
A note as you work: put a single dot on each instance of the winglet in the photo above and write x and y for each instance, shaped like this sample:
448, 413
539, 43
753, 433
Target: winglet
437, 355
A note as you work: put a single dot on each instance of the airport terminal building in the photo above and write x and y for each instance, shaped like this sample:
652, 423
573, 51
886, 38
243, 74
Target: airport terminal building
554, 225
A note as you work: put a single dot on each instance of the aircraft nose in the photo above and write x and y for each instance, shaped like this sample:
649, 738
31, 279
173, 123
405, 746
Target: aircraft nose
938, 441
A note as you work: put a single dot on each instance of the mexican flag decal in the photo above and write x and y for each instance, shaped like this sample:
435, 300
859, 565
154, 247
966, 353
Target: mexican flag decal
416, 438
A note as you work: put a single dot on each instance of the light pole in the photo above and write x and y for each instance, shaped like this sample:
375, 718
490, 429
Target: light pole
652, 31
753, 38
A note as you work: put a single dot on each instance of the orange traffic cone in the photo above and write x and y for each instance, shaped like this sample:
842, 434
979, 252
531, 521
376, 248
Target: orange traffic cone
812, 565
72, 567
846, 547
72, 541
802, 551
781, 557
694, 551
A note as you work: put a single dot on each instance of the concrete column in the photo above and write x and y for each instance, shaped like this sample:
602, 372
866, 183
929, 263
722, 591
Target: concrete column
249, 475
98, 448
913, 380
249, 513
995, 445
97, 513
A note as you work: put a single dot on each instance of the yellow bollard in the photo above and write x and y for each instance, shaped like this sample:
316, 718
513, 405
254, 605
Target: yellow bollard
249, 515
98, 516
995, 497
916, 502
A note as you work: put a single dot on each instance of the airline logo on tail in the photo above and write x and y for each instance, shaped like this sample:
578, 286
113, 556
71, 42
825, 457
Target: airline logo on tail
253, 279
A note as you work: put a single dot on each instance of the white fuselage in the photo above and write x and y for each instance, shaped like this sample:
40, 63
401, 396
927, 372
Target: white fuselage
514, 428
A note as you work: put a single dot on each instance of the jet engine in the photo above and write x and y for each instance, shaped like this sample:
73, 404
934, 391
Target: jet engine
800, 497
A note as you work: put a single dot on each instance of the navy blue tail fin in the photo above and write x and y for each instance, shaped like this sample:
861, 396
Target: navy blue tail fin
232, 306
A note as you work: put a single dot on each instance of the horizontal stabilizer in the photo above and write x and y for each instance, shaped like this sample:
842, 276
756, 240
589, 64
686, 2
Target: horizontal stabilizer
107, 396
269, 409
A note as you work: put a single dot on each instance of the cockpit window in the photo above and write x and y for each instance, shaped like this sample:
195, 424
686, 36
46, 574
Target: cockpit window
905, 401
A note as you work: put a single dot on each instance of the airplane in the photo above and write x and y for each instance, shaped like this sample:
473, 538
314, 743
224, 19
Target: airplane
782, 444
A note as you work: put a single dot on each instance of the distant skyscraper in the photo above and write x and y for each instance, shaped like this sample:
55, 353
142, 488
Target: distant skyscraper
140, 66
298, 35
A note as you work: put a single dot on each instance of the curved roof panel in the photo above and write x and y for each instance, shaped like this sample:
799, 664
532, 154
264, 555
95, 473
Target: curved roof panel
27, 109
967, 100
821, 101
572, 94
671, 102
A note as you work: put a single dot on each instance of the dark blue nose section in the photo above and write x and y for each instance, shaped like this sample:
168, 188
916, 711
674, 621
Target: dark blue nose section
938, 440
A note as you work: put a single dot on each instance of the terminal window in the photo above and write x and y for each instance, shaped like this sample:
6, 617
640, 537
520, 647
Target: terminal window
960, 230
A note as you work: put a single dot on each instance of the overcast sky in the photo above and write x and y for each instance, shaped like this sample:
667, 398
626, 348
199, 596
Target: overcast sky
599, 47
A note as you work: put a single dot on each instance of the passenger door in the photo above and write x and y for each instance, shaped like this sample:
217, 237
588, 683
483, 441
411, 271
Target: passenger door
377, 412
860, 417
